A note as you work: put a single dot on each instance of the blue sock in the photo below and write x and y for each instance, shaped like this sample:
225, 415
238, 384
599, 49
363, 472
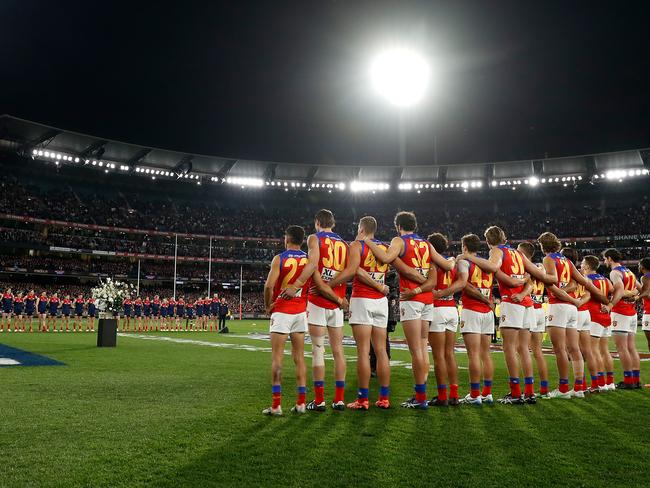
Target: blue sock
514, 381
421, 388
564, 381
340, 384
384, 391
487, 382
276, 389
627, 374
636, 373
302, 389
529, 380
544, 383
319, 383
362, 394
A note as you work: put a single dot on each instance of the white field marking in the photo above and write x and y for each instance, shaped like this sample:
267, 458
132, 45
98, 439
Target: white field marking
244, 347
8, 362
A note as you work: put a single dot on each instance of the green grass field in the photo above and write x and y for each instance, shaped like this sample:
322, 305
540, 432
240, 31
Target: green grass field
162, 413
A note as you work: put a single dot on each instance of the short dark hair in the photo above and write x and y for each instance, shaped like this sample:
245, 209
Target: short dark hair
612, 253
527, 248
325, 218
296, 234
592, 261
406, 221
645, 263
494, 235
368, 224
549, 242
472, 242
439, 242
571, 254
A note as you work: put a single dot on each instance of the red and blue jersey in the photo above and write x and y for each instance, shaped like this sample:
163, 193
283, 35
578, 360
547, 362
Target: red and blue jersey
66, 306
512, 264
482, 280
417, 255
595, 308
375, 269
563, 269
333, 260
7, 302
42, 303
19, 303
444, 279
78, 306
626, 306
30, 303
292, 262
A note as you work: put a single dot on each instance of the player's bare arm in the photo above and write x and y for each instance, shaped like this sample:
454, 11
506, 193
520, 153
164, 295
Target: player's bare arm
354, 259
645, 288
428, 285
393, 252
584, 299
589, 286
462, 275
324, 290
407, 272
269, 286
475, 293
563, 295
366, 279
618, 287
491, 265
527, 290
440, 261
313, 256
508, 280
548, 275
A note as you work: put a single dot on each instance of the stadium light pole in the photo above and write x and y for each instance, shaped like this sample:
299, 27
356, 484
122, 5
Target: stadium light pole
175, 258
137, 287
401, 76
209, 265
241, 283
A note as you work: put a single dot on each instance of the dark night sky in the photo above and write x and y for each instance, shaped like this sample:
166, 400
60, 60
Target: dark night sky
288, 82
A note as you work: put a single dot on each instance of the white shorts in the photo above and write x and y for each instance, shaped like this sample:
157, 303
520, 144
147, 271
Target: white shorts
584, 321
369, 311
540, 321
412, 310
645, 321
516, 316
472, 322
624, 323
444, 318
324, 317
562, 315
288, 323
597, 330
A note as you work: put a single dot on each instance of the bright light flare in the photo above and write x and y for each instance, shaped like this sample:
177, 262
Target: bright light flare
401, 76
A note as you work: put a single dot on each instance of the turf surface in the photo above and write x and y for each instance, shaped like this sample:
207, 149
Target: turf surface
153, 412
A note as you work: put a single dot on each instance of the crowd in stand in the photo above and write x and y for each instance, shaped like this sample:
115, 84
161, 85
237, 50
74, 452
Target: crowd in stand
521, 220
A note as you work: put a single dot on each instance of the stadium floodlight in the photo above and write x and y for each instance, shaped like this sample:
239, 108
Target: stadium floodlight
405, 186
400, 75
533, 181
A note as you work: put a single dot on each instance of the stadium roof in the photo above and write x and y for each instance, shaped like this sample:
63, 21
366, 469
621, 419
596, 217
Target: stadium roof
26, 137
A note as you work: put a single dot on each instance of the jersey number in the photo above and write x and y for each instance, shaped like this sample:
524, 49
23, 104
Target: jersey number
565, 274
336, 254
292, 264
517, 263
479, 280
421, 251
371, 264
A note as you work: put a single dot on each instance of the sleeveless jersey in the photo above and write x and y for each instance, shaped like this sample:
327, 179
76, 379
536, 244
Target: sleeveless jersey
78, 306
333, 259
91, 307
155, 306
54, 304
292, 262
594, 307
626, 306
512, 264
30, 303
66, 304
443, 280
537, 294
7, 301
417, 255
42, 303
481, 280
579, 293
375, 269
18, 305
646, 300
563, 270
